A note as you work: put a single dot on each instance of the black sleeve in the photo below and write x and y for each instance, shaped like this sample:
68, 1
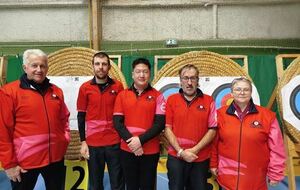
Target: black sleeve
81, 125
120, 127
157, 127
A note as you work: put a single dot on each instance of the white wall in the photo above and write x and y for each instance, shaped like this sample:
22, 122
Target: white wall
145, 20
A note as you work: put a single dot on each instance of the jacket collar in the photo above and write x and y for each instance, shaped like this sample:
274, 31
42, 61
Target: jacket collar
110, 81
132, 88
25, 83
252, 109
199, 94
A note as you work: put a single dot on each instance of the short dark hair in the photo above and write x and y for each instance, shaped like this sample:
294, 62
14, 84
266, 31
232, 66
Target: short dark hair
141, 61
188, 67
101, 54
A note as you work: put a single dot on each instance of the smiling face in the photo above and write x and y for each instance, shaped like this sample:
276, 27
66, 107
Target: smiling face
189, 82
101, 67
241, 92
36, 68
141, 76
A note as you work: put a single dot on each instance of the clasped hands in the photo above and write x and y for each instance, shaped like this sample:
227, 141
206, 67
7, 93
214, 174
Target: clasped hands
189, 155
135, 145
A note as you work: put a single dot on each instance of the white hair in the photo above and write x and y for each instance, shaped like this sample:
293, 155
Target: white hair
30, 52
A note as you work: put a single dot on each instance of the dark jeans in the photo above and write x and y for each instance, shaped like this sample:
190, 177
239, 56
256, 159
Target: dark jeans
96, 165
190, 176
139, 171
54, 176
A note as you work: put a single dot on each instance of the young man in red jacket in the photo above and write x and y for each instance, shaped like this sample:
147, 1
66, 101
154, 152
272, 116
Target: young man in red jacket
34, 138
100, 142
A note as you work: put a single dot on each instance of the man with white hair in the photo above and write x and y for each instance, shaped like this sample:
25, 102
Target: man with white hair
34, 140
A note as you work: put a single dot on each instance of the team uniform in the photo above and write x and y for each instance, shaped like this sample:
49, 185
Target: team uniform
95, 106
189, 121
37, 135
143, 116
248, 148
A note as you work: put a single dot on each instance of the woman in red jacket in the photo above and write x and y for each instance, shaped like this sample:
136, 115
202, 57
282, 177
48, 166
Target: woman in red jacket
249, 146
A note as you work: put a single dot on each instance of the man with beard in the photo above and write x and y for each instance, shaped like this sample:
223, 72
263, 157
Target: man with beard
100, 143
190, 128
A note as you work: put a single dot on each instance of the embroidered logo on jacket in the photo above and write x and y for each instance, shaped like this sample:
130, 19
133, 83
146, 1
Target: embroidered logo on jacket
150, 98
54, 96
256, 124
201, 108
113, 92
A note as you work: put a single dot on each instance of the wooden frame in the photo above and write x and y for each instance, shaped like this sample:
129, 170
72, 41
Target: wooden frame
3, 70
245, 60
161, 57
119, 58
279, 63
288, 144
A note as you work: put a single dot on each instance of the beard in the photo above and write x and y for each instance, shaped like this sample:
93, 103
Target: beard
101, 77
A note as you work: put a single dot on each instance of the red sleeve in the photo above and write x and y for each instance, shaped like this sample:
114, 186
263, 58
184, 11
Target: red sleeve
7, 155
212, 120
118, 108
81, 100
214, 150
160, 105
169, 113
65, 114
121, 88
277, 153
214, 153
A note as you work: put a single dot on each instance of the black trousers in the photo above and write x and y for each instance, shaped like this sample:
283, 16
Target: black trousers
96, 165
139, 171
54, 176
189, 176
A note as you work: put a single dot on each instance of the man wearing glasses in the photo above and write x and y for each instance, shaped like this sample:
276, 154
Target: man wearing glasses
190, 128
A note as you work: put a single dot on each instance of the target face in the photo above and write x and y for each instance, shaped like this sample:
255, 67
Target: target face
217, 87
169, 89
295, 101
222, 95
291, 102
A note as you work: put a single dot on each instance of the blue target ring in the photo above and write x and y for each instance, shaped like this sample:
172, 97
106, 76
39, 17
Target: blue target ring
169, 89
222, 94
295, 101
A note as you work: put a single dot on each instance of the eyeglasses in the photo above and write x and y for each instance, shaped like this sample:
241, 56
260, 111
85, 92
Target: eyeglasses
239, 90
186, 79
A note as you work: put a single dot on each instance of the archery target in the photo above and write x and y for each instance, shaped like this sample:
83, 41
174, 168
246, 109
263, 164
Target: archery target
222, 95
291, 102
70, 86
217, 87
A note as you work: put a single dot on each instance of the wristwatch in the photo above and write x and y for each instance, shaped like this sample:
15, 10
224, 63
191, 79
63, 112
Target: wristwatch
179, 152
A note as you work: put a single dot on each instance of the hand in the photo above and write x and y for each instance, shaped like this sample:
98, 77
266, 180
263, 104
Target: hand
139, 152
14, 173
214, 171
192, 150
84, 150
134, 143
273, 183
188, 156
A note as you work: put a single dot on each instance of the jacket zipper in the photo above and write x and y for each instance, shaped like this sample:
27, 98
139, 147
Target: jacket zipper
49, 141
239, 155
